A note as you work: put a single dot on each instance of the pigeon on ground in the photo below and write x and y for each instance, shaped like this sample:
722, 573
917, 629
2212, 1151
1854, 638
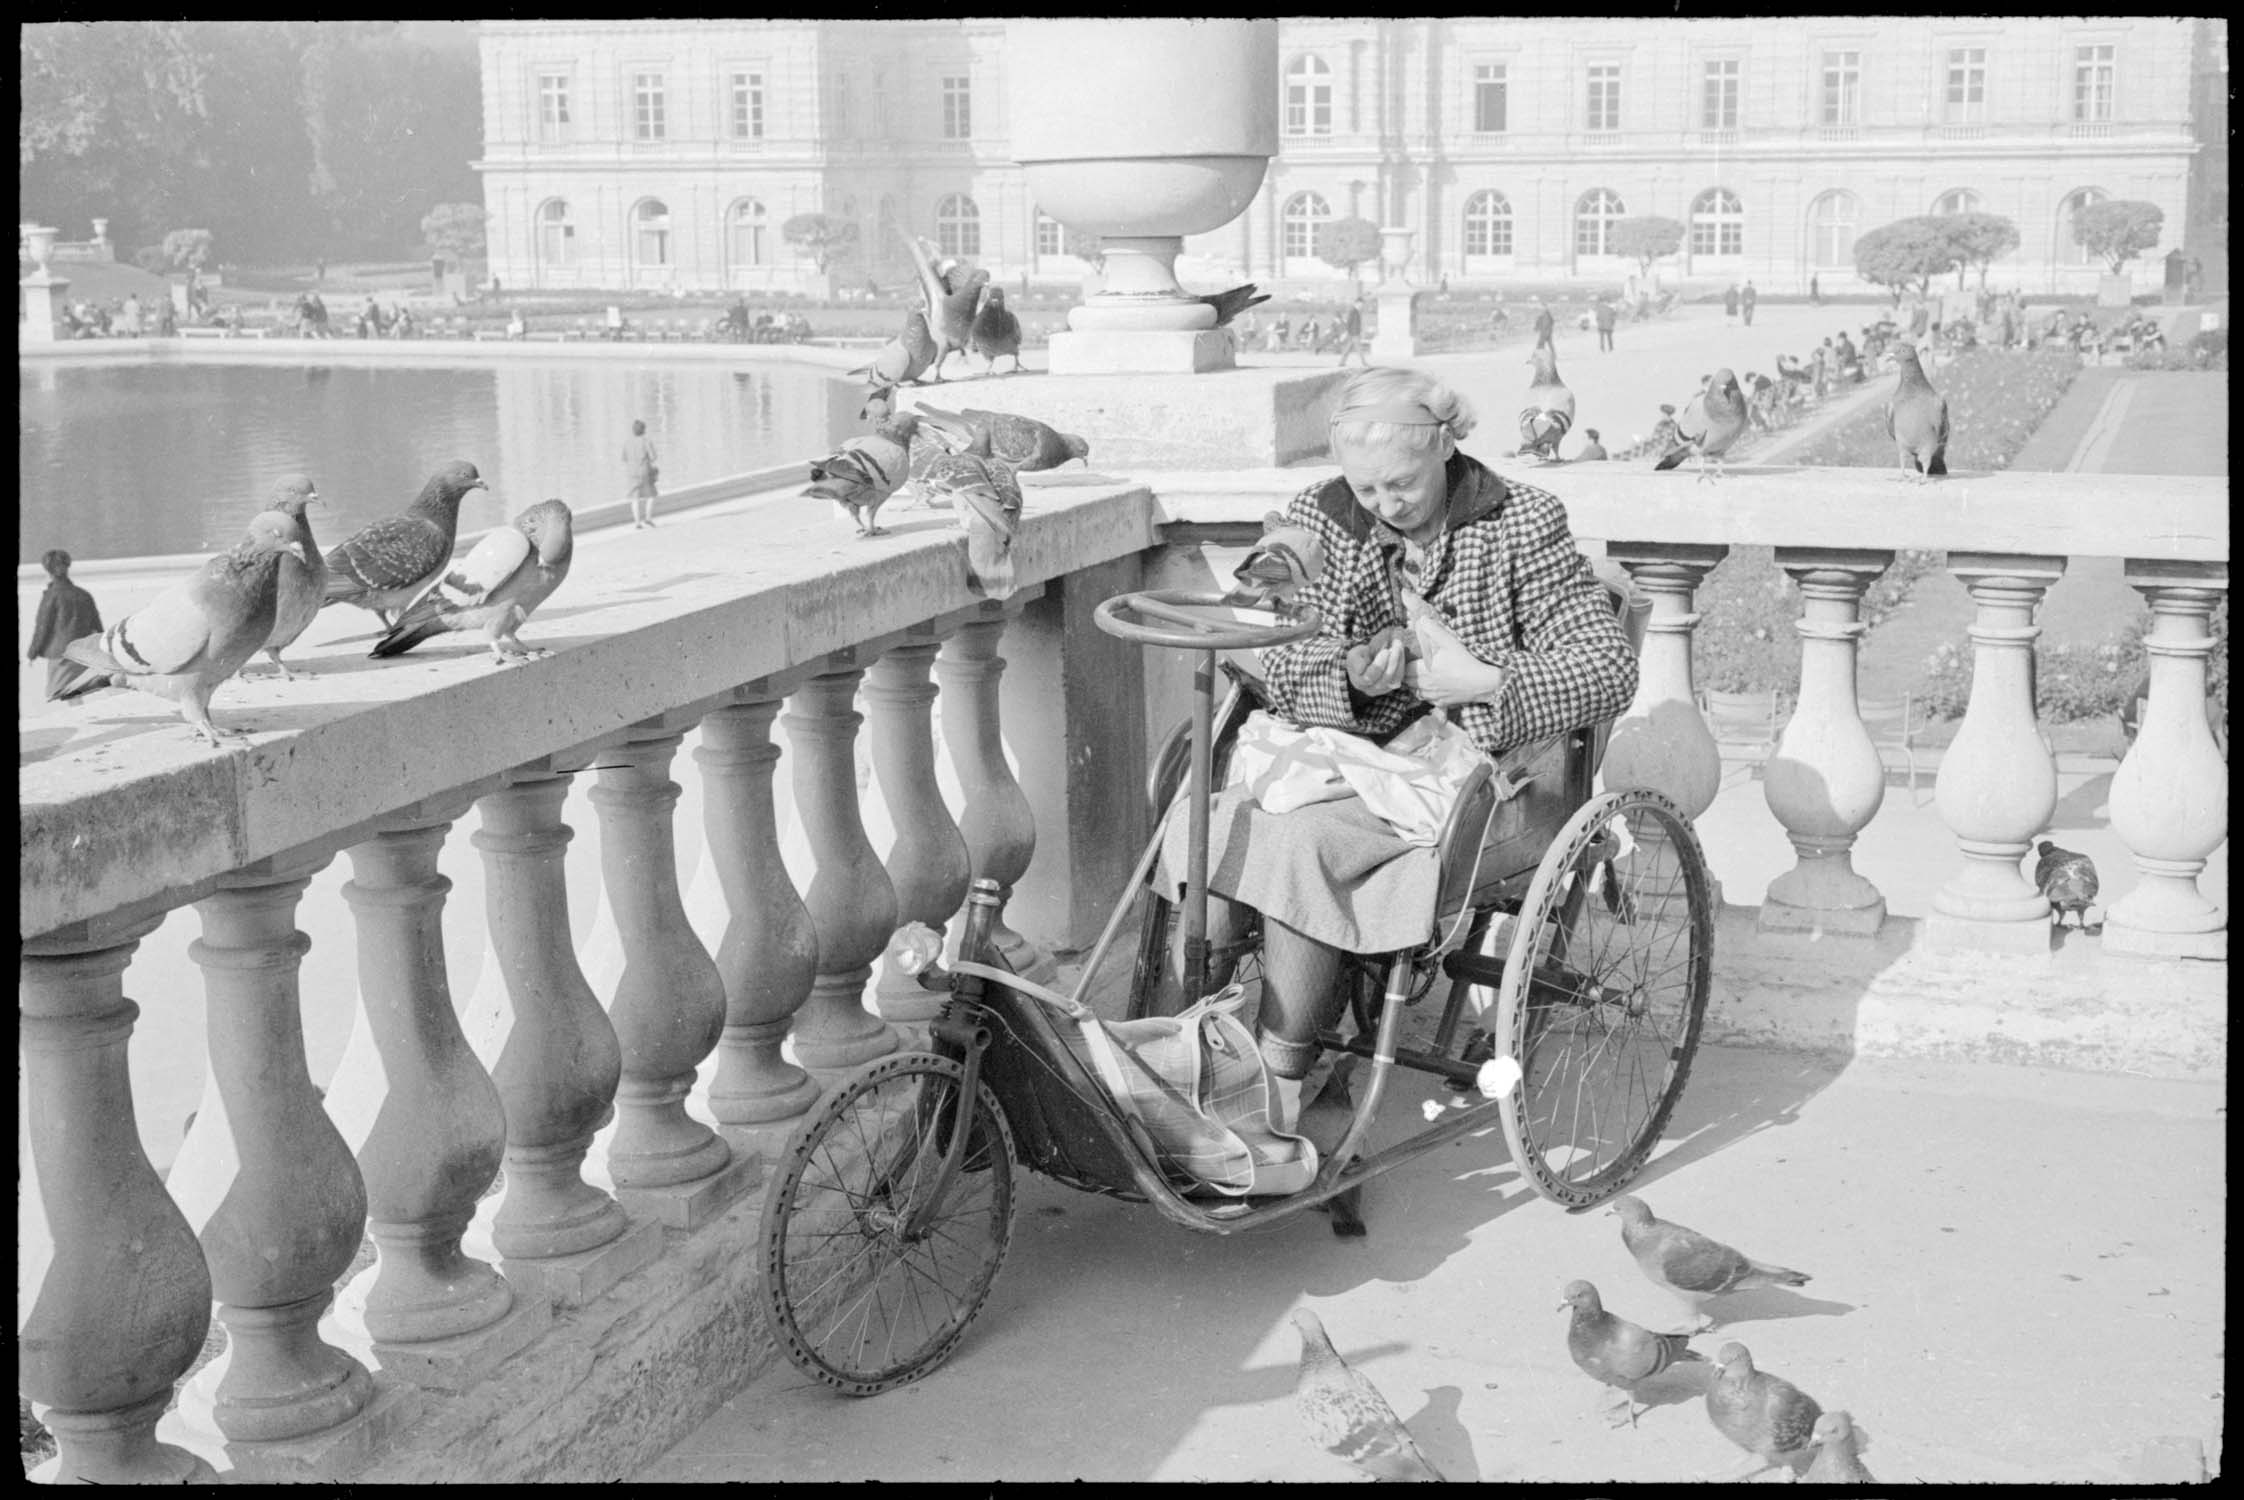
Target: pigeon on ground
509, 573
1689, 1264
1835, 1462
904, 358
951, 302
1712, 421
1281, 563
1917, 420
1616, 1351
1764, 1414
864, 471
1347, 1416
995, 331
303, 585
1549, 411
988, 500
384, 566
1024, 442
197, 633
1229, 305
2067, 879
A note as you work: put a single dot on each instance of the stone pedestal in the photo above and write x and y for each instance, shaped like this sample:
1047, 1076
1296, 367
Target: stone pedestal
1397, 334
1106, 351
43, 292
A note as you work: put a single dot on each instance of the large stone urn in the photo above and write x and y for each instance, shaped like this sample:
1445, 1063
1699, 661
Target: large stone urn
42, 291
1142, 132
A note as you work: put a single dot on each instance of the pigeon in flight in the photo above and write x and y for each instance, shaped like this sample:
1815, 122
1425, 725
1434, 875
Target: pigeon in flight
994, 330
383, 566
1917, 420
1689, 1264
952, 299
1614, 1350
1835, 1461
1285, 560
1766, 1415
864, 471
1549, 411
1711, 424
2067, 879
1024, 442
303, 585
1346, 1415
505, 576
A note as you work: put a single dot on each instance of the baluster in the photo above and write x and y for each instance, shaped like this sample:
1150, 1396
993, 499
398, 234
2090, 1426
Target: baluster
928, 862
669, 1006
1662, 742
1825, 781
290, 1224
558, 1070
2169, 800
769, 954
440, 1131
1000, 833
850, 900
122, 1309
1997, 784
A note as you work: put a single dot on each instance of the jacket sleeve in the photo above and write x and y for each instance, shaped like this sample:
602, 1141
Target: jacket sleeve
1308, 680
1575, 666
42, 632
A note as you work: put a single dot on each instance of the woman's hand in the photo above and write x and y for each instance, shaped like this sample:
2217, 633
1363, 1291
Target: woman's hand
1445, 671
1376, 666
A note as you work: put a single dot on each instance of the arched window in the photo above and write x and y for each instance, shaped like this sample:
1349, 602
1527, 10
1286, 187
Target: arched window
2070, 252
744, 234
1831, 228
1717, 223
1956, 201
1594, 217
1308, 97
958, 226
1298, 225
651, 221
1488, 224
557, 233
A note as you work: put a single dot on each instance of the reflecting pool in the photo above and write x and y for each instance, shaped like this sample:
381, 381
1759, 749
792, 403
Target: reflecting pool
126, 460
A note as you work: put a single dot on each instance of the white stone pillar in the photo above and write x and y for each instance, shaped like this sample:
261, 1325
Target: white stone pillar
1662, 742
1998, 782
1825, 782
2169, 800
999, 829
928, 863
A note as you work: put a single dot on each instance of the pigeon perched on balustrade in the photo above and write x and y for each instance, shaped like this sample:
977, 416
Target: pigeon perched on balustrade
194, 635
1230, 304
1835, 1461
1549, 411
1766, 1415
994, 331
303, 585
1690, 1265
384, 565
504, 577
1027, 444
1917, 420
1284, 561
2067, 879
904, 358
952, 299
864, 471
1345, 1414
1711, 423
987, 497
1614, 1350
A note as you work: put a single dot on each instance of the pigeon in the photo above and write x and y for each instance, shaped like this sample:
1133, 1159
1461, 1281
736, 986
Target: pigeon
1712, 421
1229, 305
1764, 1414
1614, 1350
1689, 1264
995, 331
509, 573
1917, 420
1024, 442
863, 472
951, 302
1835, 1462
1549, 411
187, 640
1280, 564
383, 566
2067, 879
1347, 1416
988, 500
904, 358
303, 585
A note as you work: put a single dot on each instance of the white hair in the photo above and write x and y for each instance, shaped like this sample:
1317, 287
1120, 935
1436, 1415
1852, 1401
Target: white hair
1391, 385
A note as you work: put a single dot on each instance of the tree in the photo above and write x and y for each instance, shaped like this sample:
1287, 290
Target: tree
1980, 240
1645, 238
393, 125
1906, 253
2118, 230
187, 249
1345, 244
454, 231
827, 239
109, 123
1083, 245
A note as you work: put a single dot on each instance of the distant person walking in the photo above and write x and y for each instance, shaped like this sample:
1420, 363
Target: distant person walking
1544, 322
66, 613
1352, 335
1606, 318
1746, 300
1593, 450
1730, 304
640, 469
1815, 291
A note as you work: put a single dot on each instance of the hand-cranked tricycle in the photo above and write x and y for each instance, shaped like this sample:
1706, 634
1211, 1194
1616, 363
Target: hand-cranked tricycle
1587, 916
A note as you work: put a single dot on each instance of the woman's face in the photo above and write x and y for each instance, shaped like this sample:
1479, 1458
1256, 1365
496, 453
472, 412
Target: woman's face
1402, 487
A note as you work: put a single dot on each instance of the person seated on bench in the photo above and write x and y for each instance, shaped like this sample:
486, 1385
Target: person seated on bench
1516, 642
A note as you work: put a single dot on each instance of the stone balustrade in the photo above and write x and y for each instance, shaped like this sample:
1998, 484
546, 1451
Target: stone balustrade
595, 1307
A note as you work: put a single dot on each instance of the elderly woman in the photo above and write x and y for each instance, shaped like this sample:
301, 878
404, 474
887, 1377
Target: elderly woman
1517, 642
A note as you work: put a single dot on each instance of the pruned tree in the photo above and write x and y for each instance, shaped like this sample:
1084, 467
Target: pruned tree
454, 231
1980, 239
1083, 245
188, 249
1906, 254
1645, 238
1345, 244
2118, 230
825, 239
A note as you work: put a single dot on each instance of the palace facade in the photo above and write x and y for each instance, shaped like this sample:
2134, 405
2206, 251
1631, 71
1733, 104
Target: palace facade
659, 154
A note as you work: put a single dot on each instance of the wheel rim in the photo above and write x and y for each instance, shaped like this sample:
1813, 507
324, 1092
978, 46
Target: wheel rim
856, 1301
1604, 994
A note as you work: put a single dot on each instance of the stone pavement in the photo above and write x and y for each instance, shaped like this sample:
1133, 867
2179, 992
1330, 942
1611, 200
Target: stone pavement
2018, 1276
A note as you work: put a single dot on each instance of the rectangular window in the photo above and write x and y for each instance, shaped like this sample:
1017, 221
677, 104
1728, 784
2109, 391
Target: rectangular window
2094, 71
646, 106
553, 106
1604, 96
1047, 235
1719, 108
1842, 88
958, 108
747, 106
1491, 91
1967, 85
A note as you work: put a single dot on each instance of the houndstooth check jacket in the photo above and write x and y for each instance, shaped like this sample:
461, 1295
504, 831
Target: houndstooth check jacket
1504, 574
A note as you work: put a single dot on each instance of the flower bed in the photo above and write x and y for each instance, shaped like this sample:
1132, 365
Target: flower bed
1996, 399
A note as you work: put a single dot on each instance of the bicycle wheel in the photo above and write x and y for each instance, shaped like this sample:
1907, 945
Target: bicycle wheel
1604, 994
855, 1299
